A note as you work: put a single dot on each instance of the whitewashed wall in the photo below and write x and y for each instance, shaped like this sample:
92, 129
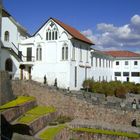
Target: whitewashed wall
15, 36
102, 72
129, 68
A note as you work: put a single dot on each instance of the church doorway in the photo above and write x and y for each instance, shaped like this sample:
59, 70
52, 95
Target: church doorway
9, 65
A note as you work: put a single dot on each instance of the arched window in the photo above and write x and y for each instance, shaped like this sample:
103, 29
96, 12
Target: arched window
47, 36
39, 53
8, 65
62, 53
65, 52
73, 52
50, 35
56, 35
6, 36
53, 35
52, 32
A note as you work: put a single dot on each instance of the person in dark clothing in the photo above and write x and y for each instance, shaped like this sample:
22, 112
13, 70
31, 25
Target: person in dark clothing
45, 79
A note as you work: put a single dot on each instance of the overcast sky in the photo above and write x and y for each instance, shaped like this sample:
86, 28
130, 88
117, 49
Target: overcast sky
110, 24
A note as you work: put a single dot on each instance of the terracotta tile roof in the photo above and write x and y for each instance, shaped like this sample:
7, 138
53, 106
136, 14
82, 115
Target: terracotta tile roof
121, 53
73, 32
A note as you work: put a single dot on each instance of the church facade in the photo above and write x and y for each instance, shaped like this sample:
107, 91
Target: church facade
61, 53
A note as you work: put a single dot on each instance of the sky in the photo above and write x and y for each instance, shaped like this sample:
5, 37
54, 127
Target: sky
110, 24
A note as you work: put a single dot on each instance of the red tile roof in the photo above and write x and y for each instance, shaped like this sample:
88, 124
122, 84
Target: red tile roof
73, 32
121, 53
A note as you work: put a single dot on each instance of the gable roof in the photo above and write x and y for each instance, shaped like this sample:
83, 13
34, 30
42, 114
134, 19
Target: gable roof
121, 53
72, 31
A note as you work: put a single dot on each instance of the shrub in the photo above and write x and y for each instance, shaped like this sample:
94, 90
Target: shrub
136, 89
97, 87
108, 90
120, 91
88, 84
129, 86
112, 88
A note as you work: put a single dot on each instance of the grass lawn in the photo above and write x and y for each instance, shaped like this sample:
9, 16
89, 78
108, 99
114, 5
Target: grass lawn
18, 101
36, 112
51, 132
107, 132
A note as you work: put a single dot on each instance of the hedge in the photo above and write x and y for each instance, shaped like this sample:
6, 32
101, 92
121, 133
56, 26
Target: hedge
115, 88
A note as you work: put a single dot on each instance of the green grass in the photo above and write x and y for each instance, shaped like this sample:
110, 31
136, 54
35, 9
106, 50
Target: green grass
35, 113
51, 132
41, 110
18, 101
107, 132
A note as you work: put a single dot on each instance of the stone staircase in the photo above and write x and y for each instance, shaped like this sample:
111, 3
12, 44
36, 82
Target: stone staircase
26, 118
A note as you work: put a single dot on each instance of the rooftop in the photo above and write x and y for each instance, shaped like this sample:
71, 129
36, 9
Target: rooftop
72, 31
121, 53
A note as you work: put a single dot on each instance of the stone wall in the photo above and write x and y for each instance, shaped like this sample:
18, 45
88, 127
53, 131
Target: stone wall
67, 134
6, 93
73, 107
13, 113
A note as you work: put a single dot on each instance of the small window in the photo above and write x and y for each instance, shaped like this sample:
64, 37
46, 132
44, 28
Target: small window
125, 73
103, 63
56, 35
73, 52
106, 63
39, 53
6, 36
117, 73
87, 55
117, 63
50, 35
96, 62
126, 63
47, 36
91, 61
99, 62
80, 53
65, 52
53, 35
135, 63
135, 74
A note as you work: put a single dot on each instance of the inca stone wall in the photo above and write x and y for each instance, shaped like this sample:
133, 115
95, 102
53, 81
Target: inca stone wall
67, 134
6, 93
71, 106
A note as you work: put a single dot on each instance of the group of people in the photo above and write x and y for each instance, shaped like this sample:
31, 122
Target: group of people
45, 81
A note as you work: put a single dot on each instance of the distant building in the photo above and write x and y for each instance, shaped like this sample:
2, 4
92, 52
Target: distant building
126, 66
63, 54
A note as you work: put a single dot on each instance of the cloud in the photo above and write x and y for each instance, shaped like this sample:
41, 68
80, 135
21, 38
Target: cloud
108, 36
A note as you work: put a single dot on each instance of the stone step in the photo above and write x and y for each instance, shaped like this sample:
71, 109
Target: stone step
15, 108
37, 118
50, 132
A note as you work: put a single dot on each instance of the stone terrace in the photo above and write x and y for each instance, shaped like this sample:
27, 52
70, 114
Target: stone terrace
74, 105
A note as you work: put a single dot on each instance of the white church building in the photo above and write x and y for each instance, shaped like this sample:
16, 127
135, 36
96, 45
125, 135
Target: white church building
59, 51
